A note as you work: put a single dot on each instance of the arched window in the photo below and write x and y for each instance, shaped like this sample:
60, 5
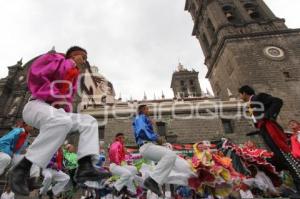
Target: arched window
229, 12
184, 90
191, 82
182, 82
252, 10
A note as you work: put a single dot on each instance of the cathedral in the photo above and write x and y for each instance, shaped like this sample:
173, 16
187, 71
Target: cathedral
243, 42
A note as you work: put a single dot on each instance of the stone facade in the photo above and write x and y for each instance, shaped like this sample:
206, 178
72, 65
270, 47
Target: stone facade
14, 95
179, 120
183, 119
245, 43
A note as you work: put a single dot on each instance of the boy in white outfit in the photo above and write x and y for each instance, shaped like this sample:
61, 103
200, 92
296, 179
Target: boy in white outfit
52, 81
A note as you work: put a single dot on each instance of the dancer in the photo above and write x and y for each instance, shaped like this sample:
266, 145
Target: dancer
11, 142
170, 168
53, 174
295, 139
13, 146
264, 109
119, 167
52, 81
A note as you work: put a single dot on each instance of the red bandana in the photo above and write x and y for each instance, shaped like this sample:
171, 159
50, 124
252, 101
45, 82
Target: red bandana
22, 138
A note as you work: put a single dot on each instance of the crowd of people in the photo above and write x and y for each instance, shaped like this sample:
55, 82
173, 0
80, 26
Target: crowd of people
218, 169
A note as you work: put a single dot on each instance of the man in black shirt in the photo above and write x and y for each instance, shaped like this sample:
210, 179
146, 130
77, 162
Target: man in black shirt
264, 110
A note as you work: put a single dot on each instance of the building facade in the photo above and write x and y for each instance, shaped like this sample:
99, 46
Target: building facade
245, 43
185, 120
13, 95
182, 119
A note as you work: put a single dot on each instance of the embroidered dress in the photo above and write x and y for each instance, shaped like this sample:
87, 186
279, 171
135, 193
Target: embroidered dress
251, 155
213, 170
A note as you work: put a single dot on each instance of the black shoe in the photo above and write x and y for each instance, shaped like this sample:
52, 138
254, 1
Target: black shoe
87, 172
18, 177
115, 192
150, 184
34, 183
40, 196
50, 194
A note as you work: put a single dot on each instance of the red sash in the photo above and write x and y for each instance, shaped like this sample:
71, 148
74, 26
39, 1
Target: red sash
22, 138
59, 159
277, 135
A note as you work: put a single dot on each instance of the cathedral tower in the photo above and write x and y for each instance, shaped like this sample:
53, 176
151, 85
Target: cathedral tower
185, 83
245, 43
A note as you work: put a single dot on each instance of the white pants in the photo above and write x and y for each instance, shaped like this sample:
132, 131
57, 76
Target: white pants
170, 168
180, 173
58, 177
54, 125
262, 182
127, 175
5, 160
34, 170
246, 194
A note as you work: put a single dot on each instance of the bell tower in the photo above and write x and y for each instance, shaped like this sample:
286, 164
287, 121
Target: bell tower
217, 20
185, 83
245, 43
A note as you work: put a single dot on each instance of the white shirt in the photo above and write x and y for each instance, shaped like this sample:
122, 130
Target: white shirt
252, 116
9, 195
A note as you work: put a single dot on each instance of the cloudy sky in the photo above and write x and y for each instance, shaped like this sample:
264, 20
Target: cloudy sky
135, 43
